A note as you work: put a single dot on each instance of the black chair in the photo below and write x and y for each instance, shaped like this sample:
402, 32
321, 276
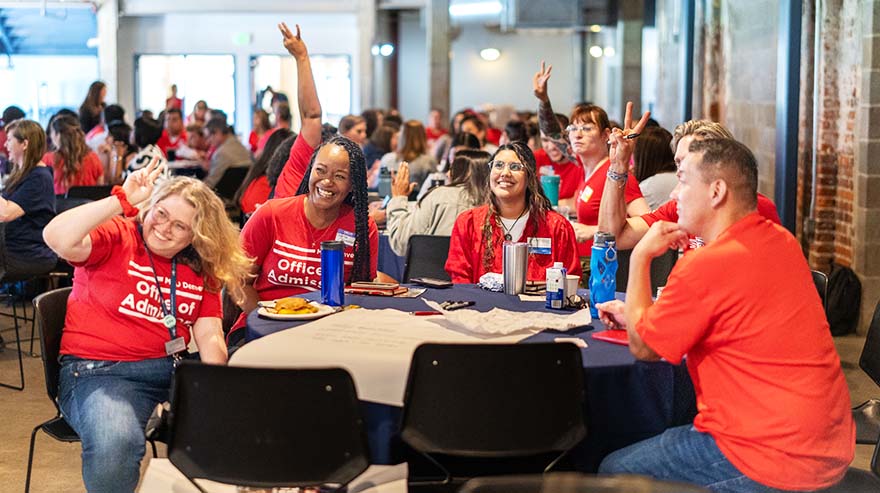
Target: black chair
504, 402
867, 414
661, 267
230, 181
96, 192
426, 257
13, 301
859, 480
50, 309
820, 279
290, 427
576, 483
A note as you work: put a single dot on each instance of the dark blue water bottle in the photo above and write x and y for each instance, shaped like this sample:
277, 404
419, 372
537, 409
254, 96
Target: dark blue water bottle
603, 270
332, 273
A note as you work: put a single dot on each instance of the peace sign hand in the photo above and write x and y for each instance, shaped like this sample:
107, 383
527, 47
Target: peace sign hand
621, 147
294, 44
139, 185
539, 82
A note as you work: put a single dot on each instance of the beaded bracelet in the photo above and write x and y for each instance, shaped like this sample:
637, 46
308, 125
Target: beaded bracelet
128, 210
613, 175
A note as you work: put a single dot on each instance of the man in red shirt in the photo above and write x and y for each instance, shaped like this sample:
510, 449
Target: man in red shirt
628, 231
174, 135
772, 401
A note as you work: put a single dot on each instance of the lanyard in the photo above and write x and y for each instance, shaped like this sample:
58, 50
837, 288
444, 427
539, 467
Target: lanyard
170, 320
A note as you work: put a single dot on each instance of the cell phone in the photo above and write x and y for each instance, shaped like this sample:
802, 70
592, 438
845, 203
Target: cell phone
455, 305
374, 285
431, 282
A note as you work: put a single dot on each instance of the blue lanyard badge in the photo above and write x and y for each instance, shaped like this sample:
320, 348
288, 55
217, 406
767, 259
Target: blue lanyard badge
540, 246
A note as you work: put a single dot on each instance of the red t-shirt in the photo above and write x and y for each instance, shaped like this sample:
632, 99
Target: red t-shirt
287, 248
260, 143
91, 170
257, 192
167, 142
589, 197
295, 168
669, 212
466, 247
434, 133
114, 314
571, 175
767, 377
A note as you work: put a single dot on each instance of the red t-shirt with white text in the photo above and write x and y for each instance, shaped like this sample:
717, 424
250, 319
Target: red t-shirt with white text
114, 312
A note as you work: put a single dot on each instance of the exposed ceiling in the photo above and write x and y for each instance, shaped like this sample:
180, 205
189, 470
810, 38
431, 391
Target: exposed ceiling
50, 31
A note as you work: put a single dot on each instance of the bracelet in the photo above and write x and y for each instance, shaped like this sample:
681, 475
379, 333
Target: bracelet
128, 210
614, 175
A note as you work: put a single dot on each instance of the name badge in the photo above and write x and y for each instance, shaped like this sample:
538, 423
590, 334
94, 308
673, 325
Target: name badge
346, 237
586, 194
175, 346
540, 246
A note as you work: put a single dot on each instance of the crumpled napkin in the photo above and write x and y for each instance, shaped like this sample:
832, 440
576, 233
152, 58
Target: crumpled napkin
492, 281
503, 322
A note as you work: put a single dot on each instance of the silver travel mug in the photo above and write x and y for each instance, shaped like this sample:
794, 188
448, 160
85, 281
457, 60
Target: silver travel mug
515, 266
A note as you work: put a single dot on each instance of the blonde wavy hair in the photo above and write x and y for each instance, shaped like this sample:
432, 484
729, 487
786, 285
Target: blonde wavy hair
216, 251
701, 130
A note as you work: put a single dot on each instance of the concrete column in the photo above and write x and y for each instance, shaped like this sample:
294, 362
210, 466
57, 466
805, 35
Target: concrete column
866, 172
438, 45
629, 30
107, 19
367, 29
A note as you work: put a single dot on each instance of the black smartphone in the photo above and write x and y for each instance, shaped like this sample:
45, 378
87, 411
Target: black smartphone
431, 282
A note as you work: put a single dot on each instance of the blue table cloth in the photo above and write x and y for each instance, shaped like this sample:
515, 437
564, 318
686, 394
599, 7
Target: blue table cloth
627, 400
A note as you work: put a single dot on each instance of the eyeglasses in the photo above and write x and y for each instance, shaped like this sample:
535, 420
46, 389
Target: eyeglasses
160, 216
580, 128
514, 167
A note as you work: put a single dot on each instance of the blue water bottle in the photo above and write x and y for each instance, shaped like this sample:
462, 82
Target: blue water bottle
603, 270
332, 273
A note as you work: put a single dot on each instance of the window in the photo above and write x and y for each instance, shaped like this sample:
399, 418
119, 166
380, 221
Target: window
42, 84
198, 77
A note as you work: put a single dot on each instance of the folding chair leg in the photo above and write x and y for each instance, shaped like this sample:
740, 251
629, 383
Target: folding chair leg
18, 346
27, 483
33, 332
153, 445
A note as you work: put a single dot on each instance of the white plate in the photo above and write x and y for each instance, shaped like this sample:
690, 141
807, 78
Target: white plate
323, 310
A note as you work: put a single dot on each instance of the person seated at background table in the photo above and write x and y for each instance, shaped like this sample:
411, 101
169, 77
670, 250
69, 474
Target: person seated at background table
261, 126
277, 161
92, 106
254, 190
328, 202
354, 128
552, 161
198, 114
228, 153
28, 202
74, 163
412, 148
121, 337
145, 135
517, 210
120, 151
628, 231
654, 165
588, 133
773, 404
382, 141
437, 211
173, 135
98, 135
473, 125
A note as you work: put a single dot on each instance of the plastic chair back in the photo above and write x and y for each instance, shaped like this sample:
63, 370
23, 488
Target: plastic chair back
426, 257
230, 181
266, 428
661, 267
821, 282
869, 361
494, 400
51, 309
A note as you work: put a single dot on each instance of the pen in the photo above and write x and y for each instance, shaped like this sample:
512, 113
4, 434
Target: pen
628, 137
425, 313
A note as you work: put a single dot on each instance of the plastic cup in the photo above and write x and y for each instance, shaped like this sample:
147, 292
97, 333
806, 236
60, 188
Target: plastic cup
550, 184
571, 285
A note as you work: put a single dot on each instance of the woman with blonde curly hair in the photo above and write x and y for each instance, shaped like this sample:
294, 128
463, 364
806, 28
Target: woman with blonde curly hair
144, 285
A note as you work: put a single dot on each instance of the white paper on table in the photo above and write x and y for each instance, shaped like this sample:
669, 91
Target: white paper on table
162, 477
375, 346
504, 322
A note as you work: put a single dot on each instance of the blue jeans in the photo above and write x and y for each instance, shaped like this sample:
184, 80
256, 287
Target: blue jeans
682, 454
107, 403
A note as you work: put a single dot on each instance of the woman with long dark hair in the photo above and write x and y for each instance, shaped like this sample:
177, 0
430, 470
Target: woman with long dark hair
74, 163
412, 147
517, 210
655, 165
27, 203
92, 106
321, 195
438, 209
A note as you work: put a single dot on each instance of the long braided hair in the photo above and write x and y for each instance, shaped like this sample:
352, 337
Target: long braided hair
536, 202
357, 199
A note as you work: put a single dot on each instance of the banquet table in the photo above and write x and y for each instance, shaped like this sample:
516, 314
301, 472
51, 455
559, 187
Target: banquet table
627, 400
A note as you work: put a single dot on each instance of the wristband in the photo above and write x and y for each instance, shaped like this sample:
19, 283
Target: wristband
615, 176
128, 210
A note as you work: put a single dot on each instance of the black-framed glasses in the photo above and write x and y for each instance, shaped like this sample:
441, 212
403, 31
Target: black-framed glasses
514, 167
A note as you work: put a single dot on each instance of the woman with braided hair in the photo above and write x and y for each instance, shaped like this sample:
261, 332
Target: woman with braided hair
517, 211
321, 195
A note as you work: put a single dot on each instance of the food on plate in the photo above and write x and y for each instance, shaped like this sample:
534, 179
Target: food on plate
293, 306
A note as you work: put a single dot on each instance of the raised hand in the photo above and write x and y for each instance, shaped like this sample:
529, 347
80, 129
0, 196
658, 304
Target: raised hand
662, 236
293, 43
539, 81
622, 148
139, 185
400, 185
